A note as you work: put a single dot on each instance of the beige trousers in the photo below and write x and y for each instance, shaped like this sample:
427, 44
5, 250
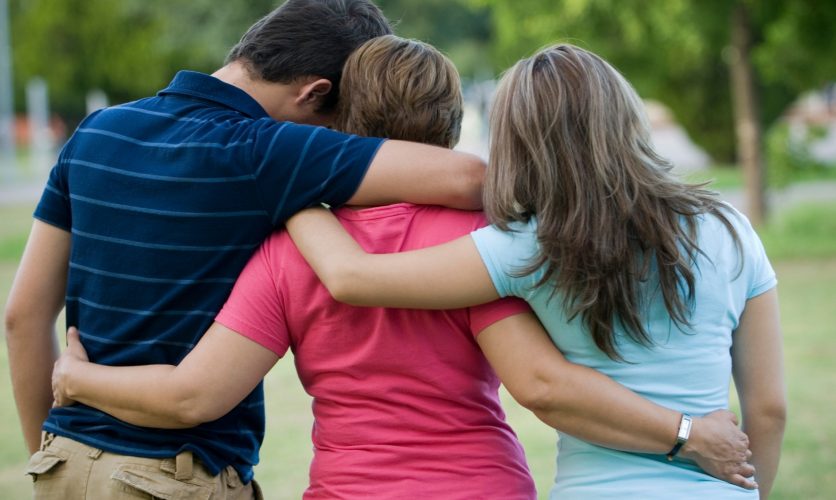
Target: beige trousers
68, 470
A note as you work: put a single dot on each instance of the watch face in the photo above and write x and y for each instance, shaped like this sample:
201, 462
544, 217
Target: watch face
684, 428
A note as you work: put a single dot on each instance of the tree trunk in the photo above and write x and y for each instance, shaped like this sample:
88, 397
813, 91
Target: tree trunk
746, 114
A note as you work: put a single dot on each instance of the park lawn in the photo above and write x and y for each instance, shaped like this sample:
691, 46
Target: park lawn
807, 286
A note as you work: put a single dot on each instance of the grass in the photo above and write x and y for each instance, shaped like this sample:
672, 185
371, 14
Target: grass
802, 243
721, 177
730, 177
807, 231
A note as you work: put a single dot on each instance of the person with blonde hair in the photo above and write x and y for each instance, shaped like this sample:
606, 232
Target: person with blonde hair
649, 280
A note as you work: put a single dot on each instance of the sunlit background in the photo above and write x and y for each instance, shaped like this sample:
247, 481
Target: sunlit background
739, 92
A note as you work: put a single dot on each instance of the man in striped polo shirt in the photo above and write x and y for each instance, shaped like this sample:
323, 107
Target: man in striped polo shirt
151, 212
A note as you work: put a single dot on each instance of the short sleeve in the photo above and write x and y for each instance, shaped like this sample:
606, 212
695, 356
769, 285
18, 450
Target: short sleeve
760, 272
297, 166
485, 315
54, 205
254, 309
505, 254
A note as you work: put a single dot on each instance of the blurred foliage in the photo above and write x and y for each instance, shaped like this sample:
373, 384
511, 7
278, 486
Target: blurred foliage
803, 232
128, 49
459, 28
789, 155
673, 51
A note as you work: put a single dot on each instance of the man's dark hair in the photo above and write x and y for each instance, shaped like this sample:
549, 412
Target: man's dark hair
309, 38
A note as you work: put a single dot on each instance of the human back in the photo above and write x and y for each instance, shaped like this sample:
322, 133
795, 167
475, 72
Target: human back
166, 198
687, 367
404, 402
632, 271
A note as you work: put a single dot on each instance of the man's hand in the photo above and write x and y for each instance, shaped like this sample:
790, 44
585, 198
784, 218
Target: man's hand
719, 446
69, 359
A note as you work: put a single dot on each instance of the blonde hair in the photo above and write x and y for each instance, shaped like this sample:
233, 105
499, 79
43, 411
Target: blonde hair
570, 145
401, 89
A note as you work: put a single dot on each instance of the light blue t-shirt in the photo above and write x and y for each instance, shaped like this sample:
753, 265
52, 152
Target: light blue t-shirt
686, 369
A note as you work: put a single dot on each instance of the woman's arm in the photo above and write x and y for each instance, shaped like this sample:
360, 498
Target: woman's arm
221, 370
585, 403
575, 399
757, 363
408, 279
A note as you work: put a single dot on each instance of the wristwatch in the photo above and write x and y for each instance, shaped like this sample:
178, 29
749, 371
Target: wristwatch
681, 436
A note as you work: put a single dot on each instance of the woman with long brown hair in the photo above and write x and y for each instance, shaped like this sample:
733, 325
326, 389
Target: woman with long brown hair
650, 280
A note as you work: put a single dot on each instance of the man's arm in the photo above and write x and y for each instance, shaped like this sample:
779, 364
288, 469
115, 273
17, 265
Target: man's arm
421, 174
587, 404
35, 300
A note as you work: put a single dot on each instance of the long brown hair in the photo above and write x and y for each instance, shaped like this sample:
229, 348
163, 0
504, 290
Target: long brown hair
570, 146
401, 89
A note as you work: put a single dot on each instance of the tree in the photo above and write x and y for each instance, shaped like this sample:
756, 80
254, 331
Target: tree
129, 49
681, 52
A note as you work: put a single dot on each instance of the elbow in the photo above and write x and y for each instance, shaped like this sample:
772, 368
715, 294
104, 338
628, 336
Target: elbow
342, 283
192, 409
768, 416
339, 289
14, 322
187, 415
773, 414
10, 322
540, 394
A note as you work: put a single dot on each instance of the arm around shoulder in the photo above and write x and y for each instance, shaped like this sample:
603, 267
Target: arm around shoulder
219, 372
422, 174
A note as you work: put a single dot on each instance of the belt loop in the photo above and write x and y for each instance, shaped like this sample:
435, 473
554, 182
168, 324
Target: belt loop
184, 466
95, 453
46, 439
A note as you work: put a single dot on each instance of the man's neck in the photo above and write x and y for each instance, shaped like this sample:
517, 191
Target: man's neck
271, 96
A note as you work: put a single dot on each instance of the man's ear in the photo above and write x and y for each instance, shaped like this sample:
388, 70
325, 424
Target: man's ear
312, 93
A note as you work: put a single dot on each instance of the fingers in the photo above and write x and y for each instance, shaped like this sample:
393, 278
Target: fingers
746, 470
73, 337
743, 482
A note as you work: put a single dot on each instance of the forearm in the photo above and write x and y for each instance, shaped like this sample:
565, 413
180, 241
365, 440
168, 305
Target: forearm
766, 432
216, 375
422, 174
141, 395
757, 362
35, 300
585, 403
408, 279
32, 350
590, 406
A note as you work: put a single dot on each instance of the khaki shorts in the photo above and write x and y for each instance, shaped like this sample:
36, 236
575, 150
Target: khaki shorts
67, 470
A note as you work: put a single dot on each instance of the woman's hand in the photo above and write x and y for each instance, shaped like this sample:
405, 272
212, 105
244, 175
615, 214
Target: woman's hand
721, 449
69, 360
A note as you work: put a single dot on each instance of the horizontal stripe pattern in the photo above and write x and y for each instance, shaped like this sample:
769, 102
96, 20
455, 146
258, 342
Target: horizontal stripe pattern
166, 199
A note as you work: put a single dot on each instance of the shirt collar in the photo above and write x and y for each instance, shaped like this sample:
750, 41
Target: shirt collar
209, 88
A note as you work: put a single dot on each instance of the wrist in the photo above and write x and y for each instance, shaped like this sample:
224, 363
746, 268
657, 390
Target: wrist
692, 448
69, 377
682, 436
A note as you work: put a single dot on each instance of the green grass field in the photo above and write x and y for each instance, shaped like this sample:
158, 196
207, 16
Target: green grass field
804, 245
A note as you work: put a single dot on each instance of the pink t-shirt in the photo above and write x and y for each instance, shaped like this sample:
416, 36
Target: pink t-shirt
405, 404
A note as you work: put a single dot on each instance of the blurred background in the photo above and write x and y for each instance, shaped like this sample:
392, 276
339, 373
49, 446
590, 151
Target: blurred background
739, 92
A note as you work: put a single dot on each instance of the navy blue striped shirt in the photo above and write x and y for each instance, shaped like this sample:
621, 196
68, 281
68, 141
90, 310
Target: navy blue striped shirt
166, 198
